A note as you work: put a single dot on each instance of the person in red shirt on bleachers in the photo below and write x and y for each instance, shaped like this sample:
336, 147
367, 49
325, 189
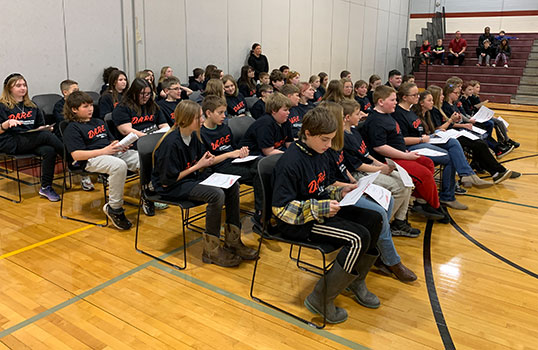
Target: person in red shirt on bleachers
426, 52
456, 49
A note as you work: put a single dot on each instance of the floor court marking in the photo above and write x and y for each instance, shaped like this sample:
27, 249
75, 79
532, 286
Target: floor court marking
55, 238
502, 201
252, 304
89, 292
432, 292
518, 158
489, 251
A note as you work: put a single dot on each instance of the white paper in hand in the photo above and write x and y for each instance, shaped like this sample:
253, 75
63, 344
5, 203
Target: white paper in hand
353, 196
438, 140
128, 140
380, 195
406, 179
220, 180
478, 130
503, 121
245, 159
483, 115
426, 152
469, 135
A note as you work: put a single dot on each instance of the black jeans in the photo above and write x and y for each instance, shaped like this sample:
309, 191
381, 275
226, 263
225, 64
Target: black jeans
249, 176
452, 57
44, 144
216, 198
482, 155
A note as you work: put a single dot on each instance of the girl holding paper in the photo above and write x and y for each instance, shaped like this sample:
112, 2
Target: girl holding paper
179, 159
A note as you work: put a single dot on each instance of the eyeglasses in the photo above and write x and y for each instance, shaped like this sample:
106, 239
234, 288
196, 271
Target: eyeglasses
145, 94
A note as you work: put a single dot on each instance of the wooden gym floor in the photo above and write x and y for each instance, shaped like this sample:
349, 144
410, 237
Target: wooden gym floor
67, 285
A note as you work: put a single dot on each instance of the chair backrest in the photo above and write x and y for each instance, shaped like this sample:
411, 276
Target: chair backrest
251, 101
196, 96
265, 171
239, 126
112, 127
146, 145
46, 102
94, 95
68, 159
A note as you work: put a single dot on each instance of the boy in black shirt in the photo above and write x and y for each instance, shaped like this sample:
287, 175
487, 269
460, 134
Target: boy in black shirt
271, 133
197, 82
258, 109
307, 208
438, 52
218, 139
172, 89
295, 118
277, 79
89, 143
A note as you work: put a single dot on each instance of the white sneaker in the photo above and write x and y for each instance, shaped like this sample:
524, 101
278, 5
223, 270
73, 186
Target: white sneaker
493, 65
505, 66
86, 183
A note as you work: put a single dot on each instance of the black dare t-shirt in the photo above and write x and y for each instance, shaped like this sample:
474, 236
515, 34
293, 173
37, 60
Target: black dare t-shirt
381, 129
236, 105
300, 174
437, 117
296, 121
246, 91
107, 104
87, 136
265, 133
167, 109
218, 141
143, 122
258, 109
338, 169
31, 117
366, 105
355, 150
410, 123
171, 158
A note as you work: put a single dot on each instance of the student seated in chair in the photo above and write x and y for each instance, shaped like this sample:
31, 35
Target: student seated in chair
179, 159
307, 209
92, 146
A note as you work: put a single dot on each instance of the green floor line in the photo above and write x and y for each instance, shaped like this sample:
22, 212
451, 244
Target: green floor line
87, 293
502, 201
247, 302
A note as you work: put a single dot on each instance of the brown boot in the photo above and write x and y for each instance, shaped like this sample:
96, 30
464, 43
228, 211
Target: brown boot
215, 254
402, 272
232, 242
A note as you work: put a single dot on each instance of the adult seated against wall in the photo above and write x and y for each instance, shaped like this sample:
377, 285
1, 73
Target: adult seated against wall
395, 79
456, 49
487, 35
257, 61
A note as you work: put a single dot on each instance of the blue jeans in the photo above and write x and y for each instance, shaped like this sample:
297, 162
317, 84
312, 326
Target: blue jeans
386, 247
454, 161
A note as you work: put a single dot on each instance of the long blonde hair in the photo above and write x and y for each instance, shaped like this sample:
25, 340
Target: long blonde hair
185, 113
436, 93
163, 73
7, 99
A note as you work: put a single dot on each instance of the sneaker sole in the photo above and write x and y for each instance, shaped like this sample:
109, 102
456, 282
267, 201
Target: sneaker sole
505, 153
458, 207
52, 200
208, 260
112, 220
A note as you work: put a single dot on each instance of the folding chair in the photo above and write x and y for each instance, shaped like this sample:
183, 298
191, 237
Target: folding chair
265, 169
251, 100
16, 167
146, 145
45, 103
95, 97
196, 96
72, 169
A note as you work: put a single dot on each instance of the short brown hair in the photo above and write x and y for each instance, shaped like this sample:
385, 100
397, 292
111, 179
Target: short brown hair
214, 87
213, 102
264, 88
66, 84
169, 81
318, 121
337, 113
74, 101
275, 102
404, 89
263, 75
350, 106
382, 92
276, 75
289, 89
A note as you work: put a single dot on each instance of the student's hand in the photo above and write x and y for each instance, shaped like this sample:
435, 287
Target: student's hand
482, 54
362, 115
472, 120
348, 188
10, 123
467, 126
114, 148
412, 156
456, 117
335, 207
243, 152
387, 169
206, 160
425, 138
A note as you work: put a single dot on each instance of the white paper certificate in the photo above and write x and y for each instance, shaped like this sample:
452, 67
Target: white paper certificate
220, 180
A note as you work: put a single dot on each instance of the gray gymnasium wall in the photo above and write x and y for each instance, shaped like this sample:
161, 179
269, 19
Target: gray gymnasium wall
51, 40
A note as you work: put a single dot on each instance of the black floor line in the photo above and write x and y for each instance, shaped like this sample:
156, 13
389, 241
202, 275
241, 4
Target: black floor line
518, 158
491, 252
432, 292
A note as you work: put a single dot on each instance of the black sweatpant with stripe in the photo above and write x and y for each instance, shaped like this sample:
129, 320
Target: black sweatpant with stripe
355, 229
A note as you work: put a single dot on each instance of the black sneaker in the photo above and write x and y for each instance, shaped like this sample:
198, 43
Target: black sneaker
459, 190
402, 228
477, 168
428, 211
515, 175
503, 150
118, 218
148, 207
513, 143
500, 177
